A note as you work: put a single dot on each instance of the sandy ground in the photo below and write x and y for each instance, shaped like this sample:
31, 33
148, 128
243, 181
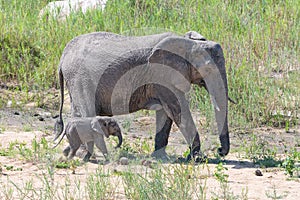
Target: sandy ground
243, 183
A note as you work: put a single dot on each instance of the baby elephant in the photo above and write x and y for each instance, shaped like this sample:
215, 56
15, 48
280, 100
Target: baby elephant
88, 130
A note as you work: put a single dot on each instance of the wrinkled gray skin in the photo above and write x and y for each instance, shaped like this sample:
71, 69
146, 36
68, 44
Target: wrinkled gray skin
92, 64
91, 129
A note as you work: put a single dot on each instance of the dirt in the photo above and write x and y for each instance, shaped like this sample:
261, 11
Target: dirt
244, 178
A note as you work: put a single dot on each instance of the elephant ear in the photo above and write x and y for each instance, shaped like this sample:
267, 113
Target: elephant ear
168, 55
193, 53
182, 48
193, 35
173, 44
96, 126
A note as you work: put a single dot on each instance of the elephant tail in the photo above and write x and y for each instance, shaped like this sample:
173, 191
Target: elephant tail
59, 140
59, 124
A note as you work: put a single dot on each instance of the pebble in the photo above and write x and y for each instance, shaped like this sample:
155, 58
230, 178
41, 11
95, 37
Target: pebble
55, 116
9, 103
40, 118
146, 163
124, 161
258, 173
134, 136
149, 163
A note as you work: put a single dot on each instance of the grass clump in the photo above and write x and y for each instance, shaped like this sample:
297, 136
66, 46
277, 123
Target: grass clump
38, 152
99, 185
291, 164
173, 182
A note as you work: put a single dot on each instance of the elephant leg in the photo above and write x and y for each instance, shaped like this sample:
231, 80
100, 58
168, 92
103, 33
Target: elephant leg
74, 142
66, 151
163, 127
100, 144
73, 150
84, 106
182, 116
90, 148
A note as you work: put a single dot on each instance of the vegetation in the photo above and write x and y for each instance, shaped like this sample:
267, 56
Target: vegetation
260, 40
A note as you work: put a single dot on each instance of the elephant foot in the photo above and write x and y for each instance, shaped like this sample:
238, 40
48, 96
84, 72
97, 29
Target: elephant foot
225, 144
87, 157
197, 157
190, 159
160, 154
222, 151
66, 151
195, 154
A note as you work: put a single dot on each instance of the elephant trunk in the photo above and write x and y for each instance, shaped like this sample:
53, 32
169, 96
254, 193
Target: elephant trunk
214, 77
222, 117
119, 135
218, 90
219, 97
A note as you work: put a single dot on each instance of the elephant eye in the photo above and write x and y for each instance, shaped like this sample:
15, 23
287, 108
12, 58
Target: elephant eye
113, 123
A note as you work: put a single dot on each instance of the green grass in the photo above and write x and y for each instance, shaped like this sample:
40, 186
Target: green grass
258, 37
174, 182
289, 164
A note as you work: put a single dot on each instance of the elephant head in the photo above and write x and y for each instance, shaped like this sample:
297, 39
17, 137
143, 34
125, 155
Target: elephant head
202, 63
109, 127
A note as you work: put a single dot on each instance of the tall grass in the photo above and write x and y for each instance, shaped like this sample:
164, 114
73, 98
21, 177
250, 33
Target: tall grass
259, 39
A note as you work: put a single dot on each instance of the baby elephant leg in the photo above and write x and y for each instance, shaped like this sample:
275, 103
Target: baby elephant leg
73, 150
100, 144
90, 148
66, 151
74, 142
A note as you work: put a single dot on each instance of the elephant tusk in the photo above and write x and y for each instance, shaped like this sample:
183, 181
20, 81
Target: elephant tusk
213, 99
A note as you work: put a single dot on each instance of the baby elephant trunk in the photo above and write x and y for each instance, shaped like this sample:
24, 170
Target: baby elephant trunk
119, 135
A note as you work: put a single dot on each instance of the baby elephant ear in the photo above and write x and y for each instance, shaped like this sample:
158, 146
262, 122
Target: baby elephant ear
96, 126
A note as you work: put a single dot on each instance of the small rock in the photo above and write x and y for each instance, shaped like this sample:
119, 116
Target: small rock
134, 136
31, 105
55, 116
258, 173
40, 118
149, 163
180, 160
45, 114
9, 103
146, 163
124, 161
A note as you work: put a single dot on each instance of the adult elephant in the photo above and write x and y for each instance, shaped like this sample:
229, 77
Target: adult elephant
109, 74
